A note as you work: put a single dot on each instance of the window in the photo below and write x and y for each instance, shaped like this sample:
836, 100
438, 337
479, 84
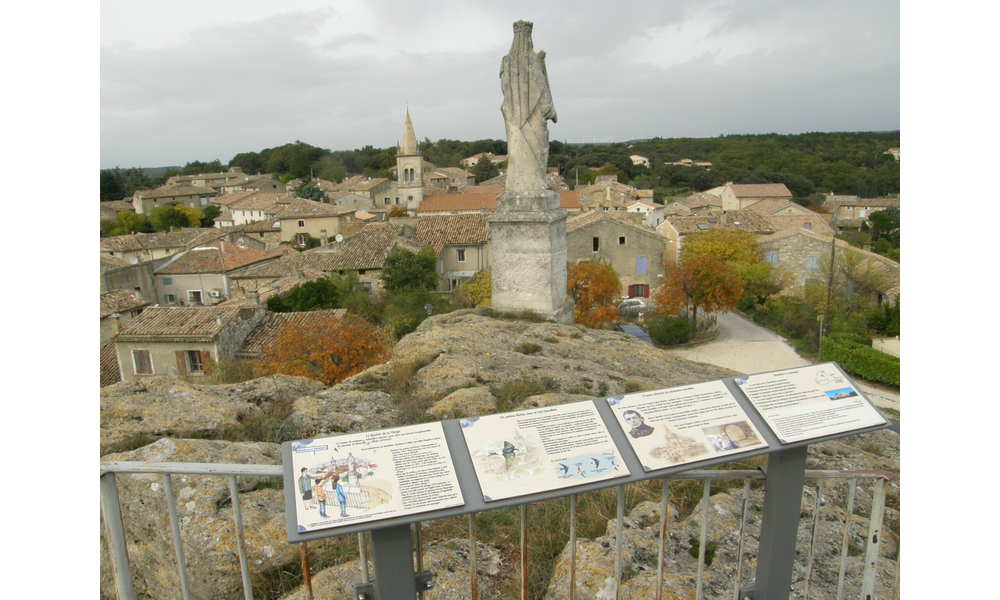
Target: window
461, 255
169, 299
814, 263
300, 239
621, 240
640, 265
597, 244
168, 281
194, 297
141, 363
194, 363
302, 224
771, 256
387, 201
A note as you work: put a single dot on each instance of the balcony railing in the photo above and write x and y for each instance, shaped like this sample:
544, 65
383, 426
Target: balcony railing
113, 523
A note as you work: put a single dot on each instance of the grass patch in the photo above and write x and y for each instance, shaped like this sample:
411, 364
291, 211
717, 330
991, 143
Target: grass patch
528, 348
511, 394
710, 549
892, 413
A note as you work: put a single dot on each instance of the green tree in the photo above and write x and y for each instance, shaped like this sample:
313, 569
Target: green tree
308, 189
208, 215
164, 218
311, 295
407, 309
118, 183
126, 222
880, 223
485, 169
405, 270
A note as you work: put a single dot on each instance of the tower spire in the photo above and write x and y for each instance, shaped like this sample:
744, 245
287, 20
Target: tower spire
409, 145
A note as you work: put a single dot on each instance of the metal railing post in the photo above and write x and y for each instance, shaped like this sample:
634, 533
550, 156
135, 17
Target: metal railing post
786, 473
874, 537
116, 537
175, 532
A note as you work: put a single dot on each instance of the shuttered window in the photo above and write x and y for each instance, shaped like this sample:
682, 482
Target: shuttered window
142, 363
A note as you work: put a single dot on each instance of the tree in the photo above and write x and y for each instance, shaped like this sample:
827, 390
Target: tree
164, 218
596, 290
308, 189
406, 309
311, 295
881, 224
478, 291
405, 270
119, 183
485, 169
326, 349
208, 215
700, 281
126, 222
728, 245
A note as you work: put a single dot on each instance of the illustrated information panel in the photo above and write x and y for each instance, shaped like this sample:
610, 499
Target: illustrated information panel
808, 402
541, 449
355, 478
685, 424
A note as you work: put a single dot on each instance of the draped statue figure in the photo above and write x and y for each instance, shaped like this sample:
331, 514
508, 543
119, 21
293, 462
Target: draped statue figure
527, 105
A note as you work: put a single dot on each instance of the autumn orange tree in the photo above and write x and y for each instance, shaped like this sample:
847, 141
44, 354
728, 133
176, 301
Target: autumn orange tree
740, 250
700, 281
327, 349
595, 289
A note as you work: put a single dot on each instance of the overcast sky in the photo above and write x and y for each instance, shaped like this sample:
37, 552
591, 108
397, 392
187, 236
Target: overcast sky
183, 81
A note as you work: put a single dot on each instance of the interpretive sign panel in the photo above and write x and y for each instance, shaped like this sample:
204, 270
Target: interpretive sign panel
808, 402
541, 449
685, 424
355, 478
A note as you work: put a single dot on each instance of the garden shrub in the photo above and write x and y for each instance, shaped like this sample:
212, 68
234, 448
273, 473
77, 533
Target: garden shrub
856, 357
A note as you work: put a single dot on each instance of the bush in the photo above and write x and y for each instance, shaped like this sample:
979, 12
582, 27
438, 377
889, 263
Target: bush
670, 331
885, 321
856, 357
406, 311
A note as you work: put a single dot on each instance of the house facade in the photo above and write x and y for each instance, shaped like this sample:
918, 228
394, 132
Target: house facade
198, 197
199, 277
176, 341
635, 252
461, 244
740, 196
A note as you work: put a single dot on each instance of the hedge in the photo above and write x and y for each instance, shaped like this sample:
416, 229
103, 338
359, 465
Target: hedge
858, 358
671, 331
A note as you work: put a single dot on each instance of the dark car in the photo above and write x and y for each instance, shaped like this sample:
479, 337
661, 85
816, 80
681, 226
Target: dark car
634, 331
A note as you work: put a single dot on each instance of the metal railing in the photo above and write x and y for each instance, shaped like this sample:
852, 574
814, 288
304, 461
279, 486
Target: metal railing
113, 524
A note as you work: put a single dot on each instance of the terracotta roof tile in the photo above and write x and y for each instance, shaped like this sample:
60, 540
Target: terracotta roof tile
187, 322
110, 373
365, 250
761, 190
109, 263
568, 200
177, 189
747, 219
119, 301
438, 232
273, 326
215, 257
303, 208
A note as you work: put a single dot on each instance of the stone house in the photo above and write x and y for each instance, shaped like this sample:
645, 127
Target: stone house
740, 196
198, 197
153, 246
450, 179
470, 162
371, 187
177, 341
635, 252
302, 219
200, 276
217, 180
859, 208
802, 254
674, 228
651, 212
270, 277
461, 244
257, 207
606, 194
253, 183
118, 309
639, 160
363, 253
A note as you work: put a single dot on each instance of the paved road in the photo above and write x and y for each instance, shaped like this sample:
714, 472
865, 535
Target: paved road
748, 348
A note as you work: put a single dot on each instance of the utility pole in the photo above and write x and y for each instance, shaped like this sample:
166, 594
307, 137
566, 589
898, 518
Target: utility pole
829, 289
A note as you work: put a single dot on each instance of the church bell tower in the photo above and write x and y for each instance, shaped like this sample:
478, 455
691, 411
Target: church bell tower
409, 168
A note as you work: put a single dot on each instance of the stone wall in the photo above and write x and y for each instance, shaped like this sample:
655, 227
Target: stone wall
794, 253
622, 257
235, 332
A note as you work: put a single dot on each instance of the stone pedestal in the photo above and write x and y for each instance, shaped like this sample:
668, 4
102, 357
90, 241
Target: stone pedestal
528, 255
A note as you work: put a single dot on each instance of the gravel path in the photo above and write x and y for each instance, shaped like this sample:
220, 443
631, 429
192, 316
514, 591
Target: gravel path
768, 352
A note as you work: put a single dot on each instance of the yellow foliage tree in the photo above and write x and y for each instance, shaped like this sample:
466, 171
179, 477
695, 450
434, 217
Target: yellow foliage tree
596, 290
478, 291
729, 245
327, 350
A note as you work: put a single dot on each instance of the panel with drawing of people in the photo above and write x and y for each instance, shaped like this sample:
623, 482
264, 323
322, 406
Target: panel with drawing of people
684, 424
352, 478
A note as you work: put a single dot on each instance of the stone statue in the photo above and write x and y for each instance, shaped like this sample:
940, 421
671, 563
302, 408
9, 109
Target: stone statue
527, 105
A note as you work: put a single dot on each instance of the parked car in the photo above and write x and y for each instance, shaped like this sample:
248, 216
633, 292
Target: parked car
634, 331
632, 307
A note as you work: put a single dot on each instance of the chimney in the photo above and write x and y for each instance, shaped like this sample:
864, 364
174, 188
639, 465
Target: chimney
222, 245
724, 219
295, 271
116, 323
323, 239
253, 298
218, 321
